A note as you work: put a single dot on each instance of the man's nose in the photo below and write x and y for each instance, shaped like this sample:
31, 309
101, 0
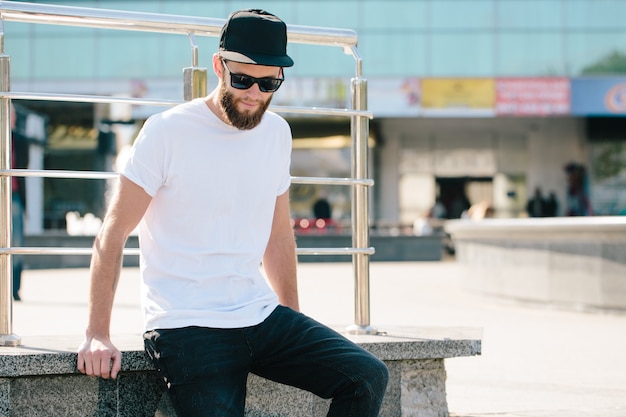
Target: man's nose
254, 91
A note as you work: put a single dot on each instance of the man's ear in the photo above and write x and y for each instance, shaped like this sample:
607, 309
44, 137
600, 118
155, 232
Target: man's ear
218, 68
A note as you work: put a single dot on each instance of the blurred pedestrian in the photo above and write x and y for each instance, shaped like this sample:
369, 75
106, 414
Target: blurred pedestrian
552, 205
322, 209
578, 203
19, 160
536, 206
438, 210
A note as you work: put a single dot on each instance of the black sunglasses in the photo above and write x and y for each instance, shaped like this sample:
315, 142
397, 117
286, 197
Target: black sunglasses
243, 82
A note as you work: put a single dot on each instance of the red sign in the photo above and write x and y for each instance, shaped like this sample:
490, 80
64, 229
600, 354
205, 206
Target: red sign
532, 96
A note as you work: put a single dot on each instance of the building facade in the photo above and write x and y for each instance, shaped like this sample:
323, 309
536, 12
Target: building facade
481, 101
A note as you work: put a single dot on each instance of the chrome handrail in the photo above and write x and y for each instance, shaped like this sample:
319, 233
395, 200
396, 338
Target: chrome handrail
47, 250
104, 175
83, 98
51, 14
100, 175
190, 26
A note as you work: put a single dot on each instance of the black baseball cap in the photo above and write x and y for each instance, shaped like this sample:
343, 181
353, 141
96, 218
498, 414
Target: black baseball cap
255, 36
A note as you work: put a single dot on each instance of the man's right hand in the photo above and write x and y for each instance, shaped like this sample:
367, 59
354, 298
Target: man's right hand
99, 357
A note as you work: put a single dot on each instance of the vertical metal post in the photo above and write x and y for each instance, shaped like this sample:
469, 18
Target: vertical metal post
194, 77
360, 207
6, 269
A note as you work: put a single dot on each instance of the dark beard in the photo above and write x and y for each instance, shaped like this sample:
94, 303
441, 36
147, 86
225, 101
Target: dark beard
240, 120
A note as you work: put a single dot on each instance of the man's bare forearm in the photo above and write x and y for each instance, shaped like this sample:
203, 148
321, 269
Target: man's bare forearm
280, 264
105, 269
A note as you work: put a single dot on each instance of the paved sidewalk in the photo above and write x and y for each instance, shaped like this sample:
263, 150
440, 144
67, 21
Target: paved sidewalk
536, 361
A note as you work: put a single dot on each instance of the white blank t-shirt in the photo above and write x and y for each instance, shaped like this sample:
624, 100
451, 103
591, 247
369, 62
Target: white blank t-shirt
202, 239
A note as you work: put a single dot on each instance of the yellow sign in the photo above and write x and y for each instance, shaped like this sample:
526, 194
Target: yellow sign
458, 93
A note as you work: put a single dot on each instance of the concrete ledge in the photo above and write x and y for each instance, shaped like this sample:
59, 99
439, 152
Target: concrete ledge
577, 262
40, 378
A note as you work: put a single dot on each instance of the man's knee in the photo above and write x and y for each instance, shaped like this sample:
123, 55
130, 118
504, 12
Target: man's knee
379, 377
373, 379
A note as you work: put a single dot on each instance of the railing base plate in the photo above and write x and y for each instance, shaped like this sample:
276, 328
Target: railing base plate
10, 340
357, 329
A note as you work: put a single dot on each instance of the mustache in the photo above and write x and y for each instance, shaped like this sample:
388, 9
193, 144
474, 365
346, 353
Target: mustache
241, 120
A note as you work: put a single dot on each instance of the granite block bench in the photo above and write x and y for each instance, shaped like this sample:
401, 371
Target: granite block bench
39, 378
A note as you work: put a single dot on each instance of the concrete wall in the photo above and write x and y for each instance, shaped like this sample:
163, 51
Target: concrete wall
577, 263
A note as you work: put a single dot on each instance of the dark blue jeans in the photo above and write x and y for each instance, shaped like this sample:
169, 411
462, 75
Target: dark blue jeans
206, 369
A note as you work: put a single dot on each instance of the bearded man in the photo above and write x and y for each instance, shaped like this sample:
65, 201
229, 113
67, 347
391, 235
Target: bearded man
208, 184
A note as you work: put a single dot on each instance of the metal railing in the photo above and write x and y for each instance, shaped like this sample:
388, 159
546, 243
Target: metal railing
194, 80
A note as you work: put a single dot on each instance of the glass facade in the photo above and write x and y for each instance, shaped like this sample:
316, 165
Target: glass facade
508, 66
407, 38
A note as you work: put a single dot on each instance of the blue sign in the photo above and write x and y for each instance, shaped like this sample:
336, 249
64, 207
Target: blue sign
598, 96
